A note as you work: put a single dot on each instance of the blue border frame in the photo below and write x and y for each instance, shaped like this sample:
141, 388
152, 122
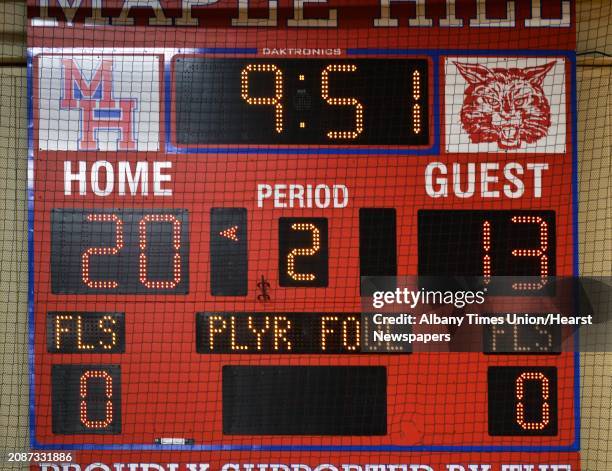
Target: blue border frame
30, 195
576, 268
435, 150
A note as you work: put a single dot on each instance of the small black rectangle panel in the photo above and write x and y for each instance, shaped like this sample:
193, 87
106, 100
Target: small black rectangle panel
377, 243
305, 400
228, 252
85, 332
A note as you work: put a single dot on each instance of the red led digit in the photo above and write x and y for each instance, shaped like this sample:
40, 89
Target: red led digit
269, 101
176, 244
303, 252
539, 252
334, 101
520, 396
108, 392
486, 247
102, 250
416, 108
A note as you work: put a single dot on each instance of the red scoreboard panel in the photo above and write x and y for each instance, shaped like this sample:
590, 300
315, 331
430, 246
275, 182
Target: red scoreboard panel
205, 202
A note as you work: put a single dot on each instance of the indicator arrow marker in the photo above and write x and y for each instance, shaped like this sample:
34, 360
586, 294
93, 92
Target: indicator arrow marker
230, 233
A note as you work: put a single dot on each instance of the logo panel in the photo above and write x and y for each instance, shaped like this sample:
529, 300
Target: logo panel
505, 104
104, 103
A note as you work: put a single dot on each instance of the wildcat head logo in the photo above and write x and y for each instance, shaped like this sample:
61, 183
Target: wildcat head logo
506, 106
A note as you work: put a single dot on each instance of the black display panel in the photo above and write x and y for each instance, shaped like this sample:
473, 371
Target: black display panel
520, 245
122, 251
86, 399
301, 101
305, 400
522, 339
522, 400
286, 332
228, 252
377, 243
302, 252
85, 332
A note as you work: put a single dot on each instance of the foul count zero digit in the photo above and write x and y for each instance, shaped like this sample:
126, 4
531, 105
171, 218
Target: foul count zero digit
86, 399
520, 396
522, 400
108, 389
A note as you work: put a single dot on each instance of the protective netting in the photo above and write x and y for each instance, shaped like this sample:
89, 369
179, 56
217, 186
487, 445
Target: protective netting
190, 198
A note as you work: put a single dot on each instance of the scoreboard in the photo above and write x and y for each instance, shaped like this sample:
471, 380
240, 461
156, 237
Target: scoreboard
205, 207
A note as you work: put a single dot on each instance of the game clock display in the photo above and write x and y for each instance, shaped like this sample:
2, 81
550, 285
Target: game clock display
301, 101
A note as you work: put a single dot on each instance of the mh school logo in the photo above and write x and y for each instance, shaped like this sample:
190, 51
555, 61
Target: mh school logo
505, 105
99, 110
99, 103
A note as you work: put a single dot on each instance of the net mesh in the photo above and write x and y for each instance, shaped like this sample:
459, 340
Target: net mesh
162, 385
